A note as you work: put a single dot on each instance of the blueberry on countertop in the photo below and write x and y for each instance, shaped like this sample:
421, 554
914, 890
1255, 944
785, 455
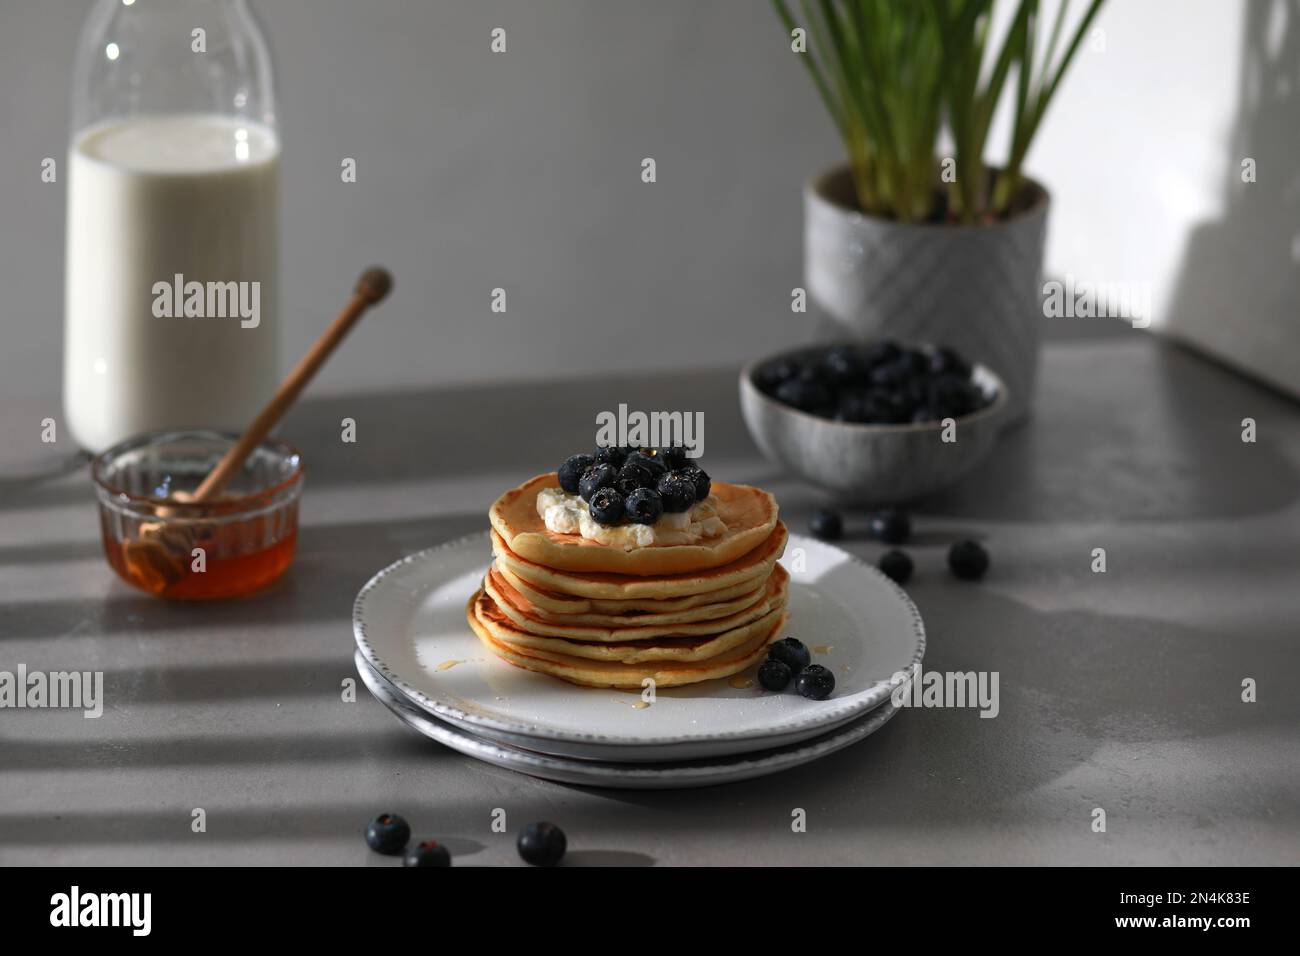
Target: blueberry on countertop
644, 506
427, 853
542, 844
606, 506
774, 674
677, 491
815, 682
791, 652
388, 833
595, 478
572, 470
611, 456
634, 475
891, 525
968, 560
700, 479
896, 565
826, 525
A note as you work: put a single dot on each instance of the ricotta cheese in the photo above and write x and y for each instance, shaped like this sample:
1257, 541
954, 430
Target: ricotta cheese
564, 513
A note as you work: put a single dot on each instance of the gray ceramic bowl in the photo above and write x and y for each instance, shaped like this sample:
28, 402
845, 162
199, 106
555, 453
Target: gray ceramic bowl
870, 464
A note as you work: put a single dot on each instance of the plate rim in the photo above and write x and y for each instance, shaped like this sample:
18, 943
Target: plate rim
814, 748
861, 703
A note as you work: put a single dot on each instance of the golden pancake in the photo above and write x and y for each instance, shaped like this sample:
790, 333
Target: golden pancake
501, 587
753, 567
625, 675
555, 603
773, 596
501, 629
749, 514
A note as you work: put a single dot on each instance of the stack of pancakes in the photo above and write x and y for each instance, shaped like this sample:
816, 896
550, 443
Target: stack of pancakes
598, 615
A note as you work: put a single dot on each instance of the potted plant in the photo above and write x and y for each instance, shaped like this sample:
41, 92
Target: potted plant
903, 241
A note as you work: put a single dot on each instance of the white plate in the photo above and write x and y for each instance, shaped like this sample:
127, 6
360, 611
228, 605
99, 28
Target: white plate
409, 622
655, 776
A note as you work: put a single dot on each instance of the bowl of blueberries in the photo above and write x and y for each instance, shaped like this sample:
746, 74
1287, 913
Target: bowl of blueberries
879, 422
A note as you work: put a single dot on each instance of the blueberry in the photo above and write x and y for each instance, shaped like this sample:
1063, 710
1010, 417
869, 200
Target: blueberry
610, 456
774, 674
813, 372
388, 833
633, 475
700, 479
946, 361
791, 652
896, 565
650, 462
914, 362
882, 352
891, 525
606, 506
644, 506
571, 472
890, 375
542, 844
595, 478
807, 396
843, 365
903, 410
853, 407
954, 396
968, 560
770, 375
925, 413
815, 682
677, 490
672, 456
882, 409
894, 407
916, 391
826, 525
427, 853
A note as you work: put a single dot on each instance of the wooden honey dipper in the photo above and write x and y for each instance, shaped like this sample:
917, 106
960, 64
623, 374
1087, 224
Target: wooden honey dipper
163, 549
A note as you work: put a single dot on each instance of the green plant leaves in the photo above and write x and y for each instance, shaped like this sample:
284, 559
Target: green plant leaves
892, 72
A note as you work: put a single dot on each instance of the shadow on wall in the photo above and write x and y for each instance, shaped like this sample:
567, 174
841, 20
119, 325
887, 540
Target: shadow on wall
1238, 286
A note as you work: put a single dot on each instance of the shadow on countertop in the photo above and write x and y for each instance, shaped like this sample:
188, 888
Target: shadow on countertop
318, 588
1066, 740
1125, 427
1115, 684
1138, 431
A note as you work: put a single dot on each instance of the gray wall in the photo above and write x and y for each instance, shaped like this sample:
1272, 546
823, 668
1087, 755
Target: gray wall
519, 170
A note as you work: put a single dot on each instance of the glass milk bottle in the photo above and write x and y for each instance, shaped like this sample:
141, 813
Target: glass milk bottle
170, 308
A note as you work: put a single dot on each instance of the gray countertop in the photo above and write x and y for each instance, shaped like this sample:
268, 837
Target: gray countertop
1119, 690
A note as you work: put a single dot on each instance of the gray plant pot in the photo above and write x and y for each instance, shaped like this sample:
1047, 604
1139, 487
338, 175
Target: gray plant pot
976, 288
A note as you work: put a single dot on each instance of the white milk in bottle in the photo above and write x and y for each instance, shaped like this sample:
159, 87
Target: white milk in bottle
171, 299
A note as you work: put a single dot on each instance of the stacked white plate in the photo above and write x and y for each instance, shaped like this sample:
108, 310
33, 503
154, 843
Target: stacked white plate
418, 657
